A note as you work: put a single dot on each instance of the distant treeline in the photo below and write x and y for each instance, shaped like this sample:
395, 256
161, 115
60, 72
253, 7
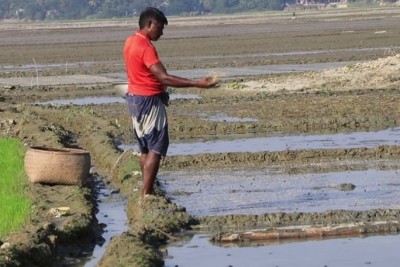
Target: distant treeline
83, 9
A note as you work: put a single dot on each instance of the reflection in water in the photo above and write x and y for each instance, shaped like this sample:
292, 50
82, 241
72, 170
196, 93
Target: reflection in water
354, 252
280, 143
263, 190
111, 214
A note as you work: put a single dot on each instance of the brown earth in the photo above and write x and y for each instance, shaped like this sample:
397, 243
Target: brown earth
359, 97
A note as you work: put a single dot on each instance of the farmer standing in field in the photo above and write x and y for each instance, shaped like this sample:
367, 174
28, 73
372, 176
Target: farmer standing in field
147, 96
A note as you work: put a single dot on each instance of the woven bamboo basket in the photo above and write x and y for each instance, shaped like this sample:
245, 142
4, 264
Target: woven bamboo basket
64, 166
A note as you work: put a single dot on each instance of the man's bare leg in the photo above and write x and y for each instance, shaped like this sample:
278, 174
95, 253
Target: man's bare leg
149, 163
142, 161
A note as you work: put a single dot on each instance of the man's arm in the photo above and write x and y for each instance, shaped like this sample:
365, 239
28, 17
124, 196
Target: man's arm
161, 74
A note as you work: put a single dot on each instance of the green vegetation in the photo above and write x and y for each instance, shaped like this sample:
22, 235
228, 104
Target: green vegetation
14, 203
89, 9
97, 9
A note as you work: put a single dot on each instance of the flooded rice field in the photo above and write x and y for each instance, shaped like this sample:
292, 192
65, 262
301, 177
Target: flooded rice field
251, 144
262, 188
300, 135
255, 191
97, 100
226, 72
197, 251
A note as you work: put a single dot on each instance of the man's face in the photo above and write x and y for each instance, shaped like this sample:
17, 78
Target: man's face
155, 30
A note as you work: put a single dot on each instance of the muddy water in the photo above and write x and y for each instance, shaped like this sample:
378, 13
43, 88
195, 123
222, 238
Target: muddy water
264, 191
280, 143
192, 73
259, 190
111, 216
66, 66
355, 252
249, 70
105, 100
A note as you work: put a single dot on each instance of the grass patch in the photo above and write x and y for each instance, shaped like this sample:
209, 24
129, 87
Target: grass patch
15, 204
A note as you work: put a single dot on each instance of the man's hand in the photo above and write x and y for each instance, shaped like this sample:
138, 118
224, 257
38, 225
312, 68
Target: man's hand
209, 81
161, 74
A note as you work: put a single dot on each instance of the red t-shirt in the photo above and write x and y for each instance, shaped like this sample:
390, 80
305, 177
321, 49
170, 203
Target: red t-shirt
140, 55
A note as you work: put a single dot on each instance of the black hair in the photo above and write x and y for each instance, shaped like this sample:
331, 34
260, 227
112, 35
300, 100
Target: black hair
150, 13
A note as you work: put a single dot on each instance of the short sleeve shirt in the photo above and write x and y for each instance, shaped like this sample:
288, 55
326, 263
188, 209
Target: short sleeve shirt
140, 55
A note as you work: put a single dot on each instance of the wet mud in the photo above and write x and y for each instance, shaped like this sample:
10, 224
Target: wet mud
277, 103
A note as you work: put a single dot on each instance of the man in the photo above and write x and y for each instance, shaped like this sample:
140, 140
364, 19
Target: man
147, 96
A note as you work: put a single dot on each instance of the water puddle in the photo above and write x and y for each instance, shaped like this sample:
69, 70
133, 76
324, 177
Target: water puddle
354, 252
111, 214
248, 70
67, 65
290, 53
389, 136
192, 73
205, 193
105, 100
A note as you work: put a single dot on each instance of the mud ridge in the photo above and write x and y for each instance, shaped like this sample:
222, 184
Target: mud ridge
288, 156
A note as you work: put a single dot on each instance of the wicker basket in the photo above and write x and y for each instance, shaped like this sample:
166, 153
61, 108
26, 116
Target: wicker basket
65, 166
